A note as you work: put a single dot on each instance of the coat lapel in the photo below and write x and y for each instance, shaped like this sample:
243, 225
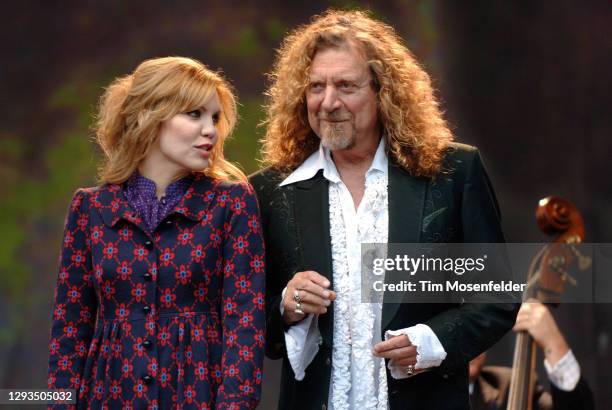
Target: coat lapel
406, 202
113, 206
311, 209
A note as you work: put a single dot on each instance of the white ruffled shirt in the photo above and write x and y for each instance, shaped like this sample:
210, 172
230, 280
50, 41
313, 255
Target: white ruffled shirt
358, 377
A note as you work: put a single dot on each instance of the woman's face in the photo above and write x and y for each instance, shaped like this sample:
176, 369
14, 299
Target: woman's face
185, 141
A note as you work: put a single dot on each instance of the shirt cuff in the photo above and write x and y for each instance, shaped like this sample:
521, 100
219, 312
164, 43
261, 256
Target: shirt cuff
302, 341
565, 374
430, 352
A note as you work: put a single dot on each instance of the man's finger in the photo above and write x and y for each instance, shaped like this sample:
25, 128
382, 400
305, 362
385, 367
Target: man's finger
400, 353
404, 362
311, 298
393, 343
315, 277
307, 308
305, 284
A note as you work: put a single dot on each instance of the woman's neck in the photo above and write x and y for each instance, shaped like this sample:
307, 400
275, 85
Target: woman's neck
161, 178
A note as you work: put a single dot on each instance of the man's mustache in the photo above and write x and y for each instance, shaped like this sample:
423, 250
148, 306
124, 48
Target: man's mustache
333, 117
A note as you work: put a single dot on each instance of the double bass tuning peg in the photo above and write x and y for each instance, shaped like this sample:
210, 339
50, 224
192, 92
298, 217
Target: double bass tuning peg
584, 262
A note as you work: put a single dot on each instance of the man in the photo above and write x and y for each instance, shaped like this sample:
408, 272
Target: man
489, 385
358, 152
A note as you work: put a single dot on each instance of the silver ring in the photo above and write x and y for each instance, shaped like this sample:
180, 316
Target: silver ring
298, 308
410, 370
296, 296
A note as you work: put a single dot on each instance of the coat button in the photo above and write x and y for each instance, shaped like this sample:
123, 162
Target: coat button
146, 309
148, 245
323, 407
147, 276
327, 361
168, 222
147, 344
147, 379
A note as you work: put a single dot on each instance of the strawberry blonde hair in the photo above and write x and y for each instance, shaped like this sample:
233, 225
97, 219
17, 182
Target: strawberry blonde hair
416, 133
133, 107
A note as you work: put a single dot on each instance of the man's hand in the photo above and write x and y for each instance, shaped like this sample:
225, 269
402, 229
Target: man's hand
314, 296
535, 318
399, 349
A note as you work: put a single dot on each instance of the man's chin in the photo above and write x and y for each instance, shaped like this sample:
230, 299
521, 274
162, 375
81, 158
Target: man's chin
337, 144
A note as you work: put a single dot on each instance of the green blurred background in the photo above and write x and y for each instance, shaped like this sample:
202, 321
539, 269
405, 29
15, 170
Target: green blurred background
526, 82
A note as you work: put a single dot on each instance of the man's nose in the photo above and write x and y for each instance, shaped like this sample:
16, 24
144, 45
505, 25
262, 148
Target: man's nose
331, 102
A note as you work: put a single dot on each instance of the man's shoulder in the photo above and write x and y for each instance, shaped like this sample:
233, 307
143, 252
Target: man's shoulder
458, 151
266, 178
459, 160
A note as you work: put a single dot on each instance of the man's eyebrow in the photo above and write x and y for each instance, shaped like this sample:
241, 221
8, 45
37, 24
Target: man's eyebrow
338, 78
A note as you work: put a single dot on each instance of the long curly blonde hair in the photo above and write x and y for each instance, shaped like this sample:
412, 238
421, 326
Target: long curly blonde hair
416, 133
133, 108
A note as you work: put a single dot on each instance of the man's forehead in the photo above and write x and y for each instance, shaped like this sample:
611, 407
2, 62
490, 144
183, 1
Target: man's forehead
346, 60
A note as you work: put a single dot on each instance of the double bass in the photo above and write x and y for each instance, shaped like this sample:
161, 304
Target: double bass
546, 277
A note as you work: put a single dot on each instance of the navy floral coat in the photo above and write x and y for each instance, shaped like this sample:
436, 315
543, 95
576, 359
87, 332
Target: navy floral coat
172, 319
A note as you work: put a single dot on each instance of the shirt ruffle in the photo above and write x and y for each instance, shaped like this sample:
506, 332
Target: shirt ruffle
358, 378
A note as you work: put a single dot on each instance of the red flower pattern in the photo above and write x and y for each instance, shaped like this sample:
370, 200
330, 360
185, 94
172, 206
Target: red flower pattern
148, 312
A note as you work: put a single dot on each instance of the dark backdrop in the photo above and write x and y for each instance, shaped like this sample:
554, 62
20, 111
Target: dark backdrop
527, 82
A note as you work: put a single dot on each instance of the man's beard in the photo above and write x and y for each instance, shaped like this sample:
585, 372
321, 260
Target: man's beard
334, 137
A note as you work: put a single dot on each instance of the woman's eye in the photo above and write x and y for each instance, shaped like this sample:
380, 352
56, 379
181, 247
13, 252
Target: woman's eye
194, 113
216, 118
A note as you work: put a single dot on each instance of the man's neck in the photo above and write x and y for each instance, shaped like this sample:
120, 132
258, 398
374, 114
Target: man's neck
356, 160
352, 165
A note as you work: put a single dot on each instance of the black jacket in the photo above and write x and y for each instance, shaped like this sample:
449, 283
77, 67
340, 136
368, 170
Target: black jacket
295, 221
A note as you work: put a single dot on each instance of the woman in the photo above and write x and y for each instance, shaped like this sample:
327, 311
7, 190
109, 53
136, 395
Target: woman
159, 300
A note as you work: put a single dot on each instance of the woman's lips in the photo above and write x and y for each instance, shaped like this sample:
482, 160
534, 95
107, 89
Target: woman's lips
204, 149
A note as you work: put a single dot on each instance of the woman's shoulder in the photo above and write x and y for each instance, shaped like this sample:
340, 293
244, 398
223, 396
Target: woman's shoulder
203, 183
96, 196
84, 194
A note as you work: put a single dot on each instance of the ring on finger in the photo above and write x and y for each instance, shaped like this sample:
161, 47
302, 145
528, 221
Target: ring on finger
298, 308
410, 370
296, 296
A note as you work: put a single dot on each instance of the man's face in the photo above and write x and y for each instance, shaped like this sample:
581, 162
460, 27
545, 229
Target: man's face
341, 102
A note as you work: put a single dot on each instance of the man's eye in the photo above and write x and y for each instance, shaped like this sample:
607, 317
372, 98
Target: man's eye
346, 85
195, 114
315, 87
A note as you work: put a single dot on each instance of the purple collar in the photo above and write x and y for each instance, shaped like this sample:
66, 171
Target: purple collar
140, 192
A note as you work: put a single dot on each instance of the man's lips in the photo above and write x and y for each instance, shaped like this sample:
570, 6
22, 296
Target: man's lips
334, 120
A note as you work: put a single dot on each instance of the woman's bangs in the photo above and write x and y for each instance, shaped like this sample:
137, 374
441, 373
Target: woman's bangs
195, 93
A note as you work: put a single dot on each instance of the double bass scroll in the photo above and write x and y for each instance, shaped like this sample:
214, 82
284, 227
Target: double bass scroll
545, 280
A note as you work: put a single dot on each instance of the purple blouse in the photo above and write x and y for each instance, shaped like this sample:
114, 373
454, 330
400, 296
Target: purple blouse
140, 194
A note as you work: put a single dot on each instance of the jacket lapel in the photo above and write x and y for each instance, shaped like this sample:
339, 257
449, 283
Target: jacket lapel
311, 209
406, 202
113, 206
